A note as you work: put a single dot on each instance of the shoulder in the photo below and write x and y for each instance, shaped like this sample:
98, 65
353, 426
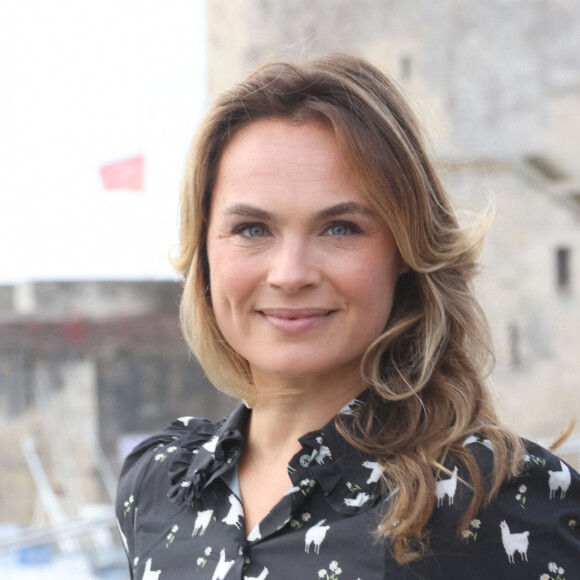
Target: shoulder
147, 468
159, 447
543, 501
545, 489
535, 517
150, 459
171, 469
532, 522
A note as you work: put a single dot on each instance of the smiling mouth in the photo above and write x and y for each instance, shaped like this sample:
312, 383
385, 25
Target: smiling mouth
295, 320
295, 313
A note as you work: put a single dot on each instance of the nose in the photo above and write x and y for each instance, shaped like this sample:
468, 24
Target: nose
293, 267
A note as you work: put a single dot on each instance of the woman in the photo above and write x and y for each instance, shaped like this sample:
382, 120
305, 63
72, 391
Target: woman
328, 285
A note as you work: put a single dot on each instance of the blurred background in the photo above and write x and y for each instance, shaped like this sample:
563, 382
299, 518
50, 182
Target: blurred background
98, 103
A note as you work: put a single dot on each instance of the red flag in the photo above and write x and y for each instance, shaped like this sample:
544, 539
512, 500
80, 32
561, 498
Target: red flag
124, 174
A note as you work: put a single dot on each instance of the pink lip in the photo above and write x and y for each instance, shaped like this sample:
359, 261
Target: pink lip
295, 320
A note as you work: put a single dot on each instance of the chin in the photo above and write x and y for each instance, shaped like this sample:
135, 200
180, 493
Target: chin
295, 370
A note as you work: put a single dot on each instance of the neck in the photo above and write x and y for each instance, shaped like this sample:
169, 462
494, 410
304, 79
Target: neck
279, 420
284, 411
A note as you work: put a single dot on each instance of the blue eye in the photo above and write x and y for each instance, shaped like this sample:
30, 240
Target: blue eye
342, 229
252, 230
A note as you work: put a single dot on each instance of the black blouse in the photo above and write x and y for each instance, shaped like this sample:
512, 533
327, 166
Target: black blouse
180, 514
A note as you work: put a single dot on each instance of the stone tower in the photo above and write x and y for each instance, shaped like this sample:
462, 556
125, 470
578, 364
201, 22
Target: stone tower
497, 84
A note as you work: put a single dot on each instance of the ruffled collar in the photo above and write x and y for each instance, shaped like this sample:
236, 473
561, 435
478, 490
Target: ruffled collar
349, 479
206, 452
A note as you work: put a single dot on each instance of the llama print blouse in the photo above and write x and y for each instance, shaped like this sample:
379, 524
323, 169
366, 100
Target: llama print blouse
180, 514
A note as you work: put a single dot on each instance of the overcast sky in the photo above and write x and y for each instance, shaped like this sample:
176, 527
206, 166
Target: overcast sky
84, 83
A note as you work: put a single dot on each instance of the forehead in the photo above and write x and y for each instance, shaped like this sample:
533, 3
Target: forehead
295, 141
275, 156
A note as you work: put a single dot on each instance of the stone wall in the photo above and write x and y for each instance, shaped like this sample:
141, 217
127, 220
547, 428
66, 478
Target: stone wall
497, 85
494, 78
86, 371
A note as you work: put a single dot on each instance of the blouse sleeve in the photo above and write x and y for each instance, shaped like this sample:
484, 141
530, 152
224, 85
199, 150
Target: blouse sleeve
136, 469
531, 529
538, 517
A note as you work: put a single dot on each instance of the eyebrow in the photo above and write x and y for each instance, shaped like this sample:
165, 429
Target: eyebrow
348, 207
246, 210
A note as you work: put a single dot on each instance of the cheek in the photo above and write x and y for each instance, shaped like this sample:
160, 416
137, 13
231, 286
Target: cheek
219, 282
223, 297
375, 286
231, 281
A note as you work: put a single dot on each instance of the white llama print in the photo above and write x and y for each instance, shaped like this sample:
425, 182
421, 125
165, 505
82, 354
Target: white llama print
357, 501
223, 566
322, 453
559, 480
315, 535
185, 420
471, 439
255, 534
202, 522
349, 408
475, 439
446, 487
211, 444
236, 512
149, 574
513, 543
376, 471
262, 575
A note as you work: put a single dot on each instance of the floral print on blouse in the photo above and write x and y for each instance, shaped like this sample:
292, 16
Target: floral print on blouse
180, 514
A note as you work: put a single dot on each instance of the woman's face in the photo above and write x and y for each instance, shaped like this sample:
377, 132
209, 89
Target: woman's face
302, 269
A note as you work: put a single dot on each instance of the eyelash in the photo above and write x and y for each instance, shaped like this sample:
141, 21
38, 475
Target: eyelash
244, 229
351, 227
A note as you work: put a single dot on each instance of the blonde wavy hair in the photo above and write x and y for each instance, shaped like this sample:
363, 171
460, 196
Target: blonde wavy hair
427, 370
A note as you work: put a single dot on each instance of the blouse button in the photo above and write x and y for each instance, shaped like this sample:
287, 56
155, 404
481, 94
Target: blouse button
305, 460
